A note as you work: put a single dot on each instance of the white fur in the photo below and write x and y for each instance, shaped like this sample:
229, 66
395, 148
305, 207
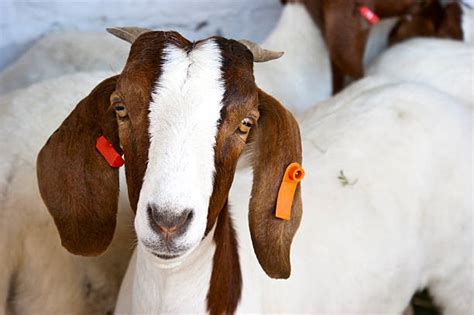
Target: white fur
151, 286
404, 222
447, 65
378, 39
184, 114
302, 77
40, 276
63, 53
467, 21
469, 3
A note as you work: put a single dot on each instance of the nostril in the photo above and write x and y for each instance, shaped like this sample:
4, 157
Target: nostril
187, 217
154, 215
168, 221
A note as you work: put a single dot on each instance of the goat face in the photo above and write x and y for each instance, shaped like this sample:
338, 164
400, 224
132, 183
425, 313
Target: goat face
192, 126
182, 113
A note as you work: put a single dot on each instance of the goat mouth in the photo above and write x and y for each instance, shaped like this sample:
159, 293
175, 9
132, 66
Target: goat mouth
169, 253
165, 256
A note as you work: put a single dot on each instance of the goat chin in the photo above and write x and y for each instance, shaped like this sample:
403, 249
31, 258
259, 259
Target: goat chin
38, 276
441, 63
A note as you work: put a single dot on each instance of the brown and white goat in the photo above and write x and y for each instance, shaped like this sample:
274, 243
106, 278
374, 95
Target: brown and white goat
182, 112
346, 32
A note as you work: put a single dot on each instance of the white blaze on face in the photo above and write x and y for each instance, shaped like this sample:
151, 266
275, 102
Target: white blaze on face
183, 117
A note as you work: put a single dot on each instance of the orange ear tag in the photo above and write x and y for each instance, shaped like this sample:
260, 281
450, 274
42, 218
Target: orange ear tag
108, 152
293, 175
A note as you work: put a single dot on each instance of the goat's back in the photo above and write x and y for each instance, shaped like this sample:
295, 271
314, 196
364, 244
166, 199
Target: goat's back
447, 65
387, 206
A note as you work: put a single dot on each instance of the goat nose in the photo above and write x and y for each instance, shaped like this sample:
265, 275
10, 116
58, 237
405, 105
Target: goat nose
163, 221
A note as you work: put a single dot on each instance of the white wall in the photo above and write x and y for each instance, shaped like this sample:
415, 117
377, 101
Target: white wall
24, 21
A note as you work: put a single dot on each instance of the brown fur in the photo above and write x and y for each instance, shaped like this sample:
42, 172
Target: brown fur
275, 143
134, 87
77, 185
240, 98
451, 25
391, 8
226, 279
431, 21
346, 32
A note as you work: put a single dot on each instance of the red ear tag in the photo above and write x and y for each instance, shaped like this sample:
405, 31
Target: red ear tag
108, 152
369, 15
293, 175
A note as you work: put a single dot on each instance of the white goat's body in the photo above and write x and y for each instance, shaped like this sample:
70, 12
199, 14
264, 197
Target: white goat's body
402, 222
379, 34
467, 21
446, 65
378, 39
38, 276
302, 77
64, 53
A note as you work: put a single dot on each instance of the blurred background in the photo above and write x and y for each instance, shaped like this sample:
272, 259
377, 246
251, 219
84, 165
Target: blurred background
40, 40
22, 22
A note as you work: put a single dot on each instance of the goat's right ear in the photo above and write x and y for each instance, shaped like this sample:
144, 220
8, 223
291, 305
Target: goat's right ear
276, 143
76, 183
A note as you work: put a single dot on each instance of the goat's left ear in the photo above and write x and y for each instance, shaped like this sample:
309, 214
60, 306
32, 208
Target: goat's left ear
276, 143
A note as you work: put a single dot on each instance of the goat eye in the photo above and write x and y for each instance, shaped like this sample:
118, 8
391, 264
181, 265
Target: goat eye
244, 128
121, 110
245, 125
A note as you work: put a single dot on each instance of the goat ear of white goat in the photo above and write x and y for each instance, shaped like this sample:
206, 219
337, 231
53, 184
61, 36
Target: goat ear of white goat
260, 54
77, 185
129, 34
276, 143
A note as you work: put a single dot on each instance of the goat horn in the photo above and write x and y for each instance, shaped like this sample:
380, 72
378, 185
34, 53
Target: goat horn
260, 54
128, 34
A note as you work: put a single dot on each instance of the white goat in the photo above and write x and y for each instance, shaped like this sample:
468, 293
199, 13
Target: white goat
63, 53
446, 65
388, 207
37, 275
303, 77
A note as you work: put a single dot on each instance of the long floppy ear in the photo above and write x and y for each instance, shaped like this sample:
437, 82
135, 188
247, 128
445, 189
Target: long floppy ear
276, 143
346, 35
77, 185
